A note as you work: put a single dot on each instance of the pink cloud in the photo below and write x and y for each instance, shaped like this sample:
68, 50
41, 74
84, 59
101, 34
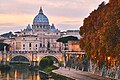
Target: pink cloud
67, 11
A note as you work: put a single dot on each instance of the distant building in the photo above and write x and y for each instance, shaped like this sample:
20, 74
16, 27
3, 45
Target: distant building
72, 45
71, 33
41, 36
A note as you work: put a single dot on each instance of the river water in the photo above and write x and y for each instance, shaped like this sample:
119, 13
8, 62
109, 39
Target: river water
21, 73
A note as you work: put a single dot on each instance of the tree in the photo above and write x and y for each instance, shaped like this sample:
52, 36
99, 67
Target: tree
2, 45
66, 39
101, 33
46, 62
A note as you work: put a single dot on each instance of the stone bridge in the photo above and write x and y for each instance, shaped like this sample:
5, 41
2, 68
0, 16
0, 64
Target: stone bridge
31, 56
34, 57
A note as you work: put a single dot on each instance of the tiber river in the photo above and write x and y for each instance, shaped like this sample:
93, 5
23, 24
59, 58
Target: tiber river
18, 72
22, 73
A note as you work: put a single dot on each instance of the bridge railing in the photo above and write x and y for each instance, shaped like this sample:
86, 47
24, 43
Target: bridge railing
39, 52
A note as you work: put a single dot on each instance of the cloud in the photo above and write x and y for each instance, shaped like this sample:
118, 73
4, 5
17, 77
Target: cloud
10, 27
16, 18
64, 27
62, 13
70, 8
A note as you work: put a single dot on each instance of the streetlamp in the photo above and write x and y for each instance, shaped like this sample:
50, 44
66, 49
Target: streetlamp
77, 56
108, 58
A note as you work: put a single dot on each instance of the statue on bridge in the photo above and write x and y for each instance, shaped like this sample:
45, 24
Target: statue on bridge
4, 49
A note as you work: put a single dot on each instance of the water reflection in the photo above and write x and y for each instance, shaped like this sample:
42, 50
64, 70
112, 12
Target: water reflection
20, 74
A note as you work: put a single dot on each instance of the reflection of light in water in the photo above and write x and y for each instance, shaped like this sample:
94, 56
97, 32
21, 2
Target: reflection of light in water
0, 75
38, 77
34, 76
20, 75
8, 76
8, 58
0, 59
15, 74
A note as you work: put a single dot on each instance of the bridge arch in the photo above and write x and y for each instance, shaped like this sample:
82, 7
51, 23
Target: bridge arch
20, 55
56, 57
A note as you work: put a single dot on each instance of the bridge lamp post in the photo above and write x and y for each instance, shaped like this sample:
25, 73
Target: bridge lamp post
60, 62
77, 56
38, 59
8, 59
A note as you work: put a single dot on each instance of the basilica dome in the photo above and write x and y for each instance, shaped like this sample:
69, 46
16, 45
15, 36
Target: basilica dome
40, 18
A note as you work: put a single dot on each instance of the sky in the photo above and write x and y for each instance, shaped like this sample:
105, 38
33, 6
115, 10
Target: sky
65, 14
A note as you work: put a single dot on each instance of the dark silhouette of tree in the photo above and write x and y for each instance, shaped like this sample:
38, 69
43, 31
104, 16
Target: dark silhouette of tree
65, 40
2, 45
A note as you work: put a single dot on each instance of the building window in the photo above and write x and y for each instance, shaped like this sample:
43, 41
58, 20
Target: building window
53, 46
23, 45
36, 45
23, 38
40, 44
40, 26
30, 45
23, 48
43, 45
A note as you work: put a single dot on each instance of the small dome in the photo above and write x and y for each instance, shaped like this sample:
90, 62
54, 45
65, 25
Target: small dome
40, 18
52, 27
28, 28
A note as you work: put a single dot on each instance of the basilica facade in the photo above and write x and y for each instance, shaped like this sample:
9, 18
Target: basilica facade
37, 37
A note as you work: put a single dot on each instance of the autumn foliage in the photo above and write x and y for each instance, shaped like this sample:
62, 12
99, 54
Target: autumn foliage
101, 34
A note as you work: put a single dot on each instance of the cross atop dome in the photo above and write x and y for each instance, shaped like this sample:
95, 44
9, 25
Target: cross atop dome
40, 11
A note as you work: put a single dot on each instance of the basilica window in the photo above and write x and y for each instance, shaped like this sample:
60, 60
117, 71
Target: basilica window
30, 45
23, 38
44, 26
36, 45
53, 46
40, 26
43, 45
40, 44
37, 26
23, 45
